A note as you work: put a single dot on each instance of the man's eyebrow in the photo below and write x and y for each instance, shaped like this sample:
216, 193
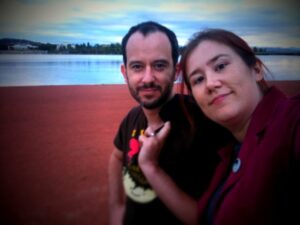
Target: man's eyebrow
161, 61
134, 62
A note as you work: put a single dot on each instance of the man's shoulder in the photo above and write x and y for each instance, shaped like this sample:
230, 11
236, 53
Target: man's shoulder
134, 114
186, 98
188, 103
134, 111
181, 100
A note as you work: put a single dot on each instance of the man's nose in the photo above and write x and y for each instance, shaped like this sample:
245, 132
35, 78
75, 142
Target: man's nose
149, 75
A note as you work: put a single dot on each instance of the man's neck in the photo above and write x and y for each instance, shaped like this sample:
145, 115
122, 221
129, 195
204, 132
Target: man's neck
153, 117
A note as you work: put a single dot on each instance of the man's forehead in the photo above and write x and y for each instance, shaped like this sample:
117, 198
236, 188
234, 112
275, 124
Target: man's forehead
155, 46
153, 41
159, 37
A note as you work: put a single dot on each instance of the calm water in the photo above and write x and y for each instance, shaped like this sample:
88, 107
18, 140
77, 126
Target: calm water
25, 70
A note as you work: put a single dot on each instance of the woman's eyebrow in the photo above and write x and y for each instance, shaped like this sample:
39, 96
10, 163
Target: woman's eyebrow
212, 60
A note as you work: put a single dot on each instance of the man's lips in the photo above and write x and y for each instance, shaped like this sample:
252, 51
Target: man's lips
218, 98
148, 90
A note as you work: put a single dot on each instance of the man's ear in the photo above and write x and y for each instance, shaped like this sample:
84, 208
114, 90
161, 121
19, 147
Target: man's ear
123, 71
177, 71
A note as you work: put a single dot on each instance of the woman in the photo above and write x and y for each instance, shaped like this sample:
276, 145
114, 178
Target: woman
256, 180
227, 81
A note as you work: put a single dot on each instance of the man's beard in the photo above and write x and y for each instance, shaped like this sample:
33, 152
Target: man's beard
165, 94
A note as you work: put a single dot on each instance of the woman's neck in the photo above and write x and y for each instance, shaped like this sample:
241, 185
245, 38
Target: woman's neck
239, 131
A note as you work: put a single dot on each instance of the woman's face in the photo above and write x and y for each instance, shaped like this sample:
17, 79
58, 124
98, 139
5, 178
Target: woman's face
224, 87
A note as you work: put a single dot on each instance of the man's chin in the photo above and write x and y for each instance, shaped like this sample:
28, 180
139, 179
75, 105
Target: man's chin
148, 105
152, 104
153, 101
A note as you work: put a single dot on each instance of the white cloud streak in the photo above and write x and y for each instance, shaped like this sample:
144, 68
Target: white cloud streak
260, 21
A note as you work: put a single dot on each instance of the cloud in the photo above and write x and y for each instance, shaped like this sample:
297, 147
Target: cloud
107, 21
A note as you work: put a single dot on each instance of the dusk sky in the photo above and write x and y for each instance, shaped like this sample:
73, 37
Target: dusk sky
270, 23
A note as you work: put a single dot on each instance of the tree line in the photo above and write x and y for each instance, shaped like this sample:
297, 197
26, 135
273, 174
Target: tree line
19, 45
113, 49
83, 48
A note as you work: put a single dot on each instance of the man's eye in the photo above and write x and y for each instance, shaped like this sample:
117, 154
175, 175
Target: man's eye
136, 67
159, 66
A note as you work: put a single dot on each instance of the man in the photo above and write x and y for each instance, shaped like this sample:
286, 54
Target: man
150, 54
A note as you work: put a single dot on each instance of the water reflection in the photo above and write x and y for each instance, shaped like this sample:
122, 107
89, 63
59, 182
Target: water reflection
23, 70
283, 67
19, 70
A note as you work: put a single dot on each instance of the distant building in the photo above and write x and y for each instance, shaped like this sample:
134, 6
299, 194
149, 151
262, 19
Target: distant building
65, 46
23, 47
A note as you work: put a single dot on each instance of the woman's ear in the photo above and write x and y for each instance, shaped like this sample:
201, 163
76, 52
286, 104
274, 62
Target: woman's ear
258, 70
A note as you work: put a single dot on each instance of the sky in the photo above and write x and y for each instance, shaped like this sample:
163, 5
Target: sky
262, 23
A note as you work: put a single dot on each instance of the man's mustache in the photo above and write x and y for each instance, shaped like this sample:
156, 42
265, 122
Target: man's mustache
149, 85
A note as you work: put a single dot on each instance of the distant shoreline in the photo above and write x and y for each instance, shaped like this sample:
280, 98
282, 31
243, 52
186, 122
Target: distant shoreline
23, 52
20, 46
279, 53
11, 52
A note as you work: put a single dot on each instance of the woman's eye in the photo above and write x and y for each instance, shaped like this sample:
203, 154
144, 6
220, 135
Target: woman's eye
220, 67
197, 80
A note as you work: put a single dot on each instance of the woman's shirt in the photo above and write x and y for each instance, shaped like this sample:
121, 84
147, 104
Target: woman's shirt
263, 188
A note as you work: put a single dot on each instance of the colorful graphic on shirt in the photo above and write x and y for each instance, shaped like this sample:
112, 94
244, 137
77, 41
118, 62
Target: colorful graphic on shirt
134, 147
135, 184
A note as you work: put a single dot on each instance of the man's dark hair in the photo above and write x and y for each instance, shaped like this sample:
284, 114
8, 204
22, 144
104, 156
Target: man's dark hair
149, 27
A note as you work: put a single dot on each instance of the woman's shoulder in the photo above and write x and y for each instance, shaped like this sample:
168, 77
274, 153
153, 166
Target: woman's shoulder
288, 106
292, 104
295, 99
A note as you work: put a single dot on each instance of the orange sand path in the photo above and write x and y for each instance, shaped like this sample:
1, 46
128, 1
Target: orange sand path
55, 145
55, 142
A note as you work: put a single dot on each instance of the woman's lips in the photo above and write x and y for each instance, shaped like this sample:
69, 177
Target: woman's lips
219, 98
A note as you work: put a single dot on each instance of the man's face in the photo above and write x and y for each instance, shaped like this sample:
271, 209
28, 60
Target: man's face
149, 72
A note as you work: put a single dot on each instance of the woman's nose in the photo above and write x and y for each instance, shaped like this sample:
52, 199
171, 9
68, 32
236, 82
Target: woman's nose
212, 81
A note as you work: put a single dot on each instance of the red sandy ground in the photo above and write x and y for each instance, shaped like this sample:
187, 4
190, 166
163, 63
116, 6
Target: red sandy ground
55, 143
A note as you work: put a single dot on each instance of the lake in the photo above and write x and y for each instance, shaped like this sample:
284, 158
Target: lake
33, 70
